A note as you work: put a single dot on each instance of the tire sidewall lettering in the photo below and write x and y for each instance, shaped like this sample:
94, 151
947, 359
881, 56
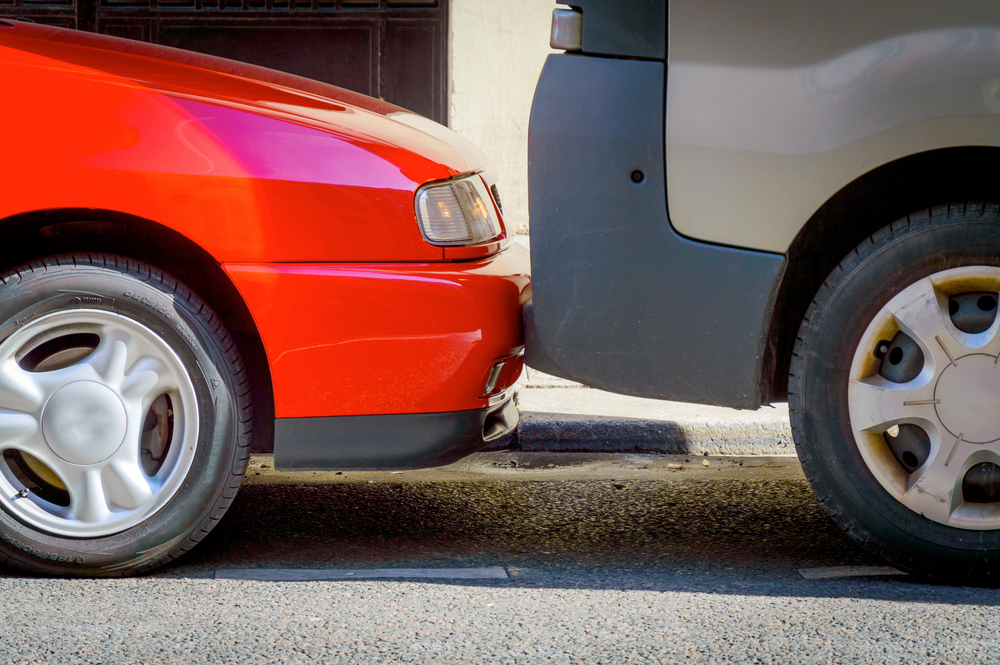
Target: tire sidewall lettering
27, 548
180, 327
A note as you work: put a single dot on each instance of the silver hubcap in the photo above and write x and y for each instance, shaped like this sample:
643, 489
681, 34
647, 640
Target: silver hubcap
924, 397
968, 395
84, 423
98, 423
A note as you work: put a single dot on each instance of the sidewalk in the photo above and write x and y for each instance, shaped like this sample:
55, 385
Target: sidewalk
561, 416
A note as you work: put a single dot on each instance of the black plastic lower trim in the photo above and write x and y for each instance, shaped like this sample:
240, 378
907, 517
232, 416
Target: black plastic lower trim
397, 441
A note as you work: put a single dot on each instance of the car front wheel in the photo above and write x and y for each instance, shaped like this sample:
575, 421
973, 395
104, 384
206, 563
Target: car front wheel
124, 417
895, 393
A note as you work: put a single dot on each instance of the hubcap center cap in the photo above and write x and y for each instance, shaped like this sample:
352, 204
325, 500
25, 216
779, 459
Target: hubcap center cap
84, 422
969, 394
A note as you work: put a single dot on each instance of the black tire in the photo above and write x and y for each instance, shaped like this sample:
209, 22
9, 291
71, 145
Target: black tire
193, 331
892, 259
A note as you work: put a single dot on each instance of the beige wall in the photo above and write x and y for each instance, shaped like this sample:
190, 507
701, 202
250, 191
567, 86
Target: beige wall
497, 51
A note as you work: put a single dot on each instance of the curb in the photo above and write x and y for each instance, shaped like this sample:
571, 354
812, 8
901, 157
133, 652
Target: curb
542, 432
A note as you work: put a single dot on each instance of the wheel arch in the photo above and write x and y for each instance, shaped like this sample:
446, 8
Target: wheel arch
37, 234
874, 199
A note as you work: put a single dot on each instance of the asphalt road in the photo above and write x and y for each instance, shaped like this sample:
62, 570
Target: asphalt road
610, 559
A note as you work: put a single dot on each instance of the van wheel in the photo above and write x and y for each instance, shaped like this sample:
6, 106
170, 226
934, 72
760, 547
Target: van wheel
894, 393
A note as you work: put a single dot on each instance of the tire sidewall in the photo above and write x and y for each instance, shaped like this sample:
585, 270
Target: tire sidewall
65, 288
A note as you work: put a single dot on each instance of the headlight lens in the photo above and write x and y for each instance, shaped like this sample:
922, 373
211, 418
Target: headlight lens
457, 212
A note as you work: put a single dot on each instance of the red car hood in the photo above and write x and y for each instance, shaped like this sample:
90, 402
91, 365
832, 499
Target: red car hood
204, 78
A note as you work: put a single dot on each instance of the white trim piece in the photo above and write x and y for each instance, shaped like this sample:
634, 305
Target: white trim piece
331, 574
848, 571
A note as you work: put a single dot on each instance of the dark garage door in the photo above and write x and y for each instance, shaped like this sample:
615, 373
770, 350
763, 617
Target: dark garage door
393, 49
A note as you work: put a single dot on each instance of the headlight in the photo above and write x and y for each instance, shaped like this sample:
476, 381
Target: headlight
457, 212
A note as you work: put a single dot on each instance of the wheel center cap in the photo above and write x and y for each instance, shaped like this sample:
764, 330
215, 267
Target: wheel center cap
84, 422
969, 394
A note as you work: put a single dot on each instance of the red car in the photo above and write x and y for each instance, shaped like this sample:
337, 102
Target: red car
202, 257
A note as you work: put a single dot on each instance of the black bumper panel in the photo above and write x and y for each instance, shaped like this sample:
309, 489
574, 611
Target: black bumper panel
621, 301
399, 441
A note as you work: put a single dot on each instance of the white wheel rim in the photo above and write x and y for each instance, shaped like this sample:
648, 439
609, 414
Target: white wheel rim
85, 423
955, 399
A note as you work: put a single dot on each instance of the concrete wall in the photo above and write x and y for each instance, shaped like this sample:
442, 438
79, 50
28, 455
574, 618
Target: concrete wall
497, 51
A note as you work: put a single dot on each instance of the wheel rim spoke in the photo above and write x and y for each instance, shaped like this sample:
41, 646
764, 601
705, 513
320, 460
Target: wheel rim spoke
17, 430
127, 485
877, 404
932, 491
148, 376
86, 493
923, 318
19, 391
110, 357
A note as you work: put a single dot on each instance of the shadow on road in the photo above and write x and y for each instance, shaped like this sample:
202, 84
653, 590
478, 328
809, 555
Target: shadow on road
722, 536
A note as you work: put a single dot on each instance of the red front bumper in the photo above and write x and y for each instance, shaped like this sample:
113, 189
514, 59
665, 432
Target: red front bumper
347, 339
